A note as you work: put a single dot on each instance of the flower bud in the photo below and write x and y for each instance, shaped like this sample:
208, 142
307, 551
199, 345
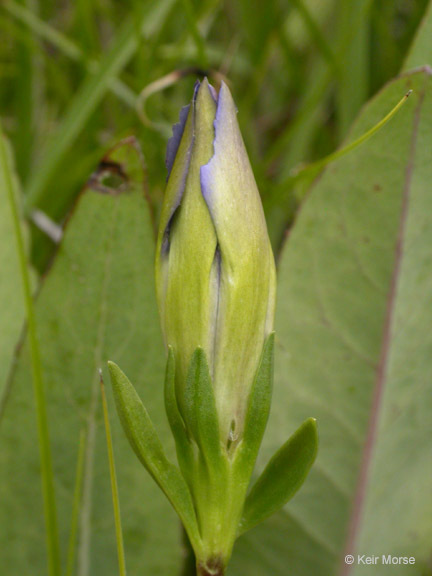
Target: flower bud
215, 272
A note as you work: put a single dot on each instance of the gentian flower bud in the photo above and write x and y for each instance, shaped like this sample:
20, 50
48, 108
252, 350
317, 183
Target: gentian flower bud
215, 280
215, 271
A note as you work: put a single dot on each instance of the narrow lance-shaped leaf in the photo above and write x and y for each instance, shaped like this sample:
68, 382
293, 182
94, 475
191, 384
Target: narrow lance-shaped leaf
257, 413
282, 477
200, 410
145, 442
183, 443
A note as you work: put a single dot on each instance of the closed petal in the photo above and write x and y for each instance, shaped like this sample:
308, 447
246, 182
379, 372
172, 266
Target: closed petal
247, 265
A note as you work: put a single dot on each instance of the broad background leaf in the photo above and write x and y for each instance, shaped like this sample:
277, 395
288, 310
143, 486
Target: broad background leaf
354, 350
96, 303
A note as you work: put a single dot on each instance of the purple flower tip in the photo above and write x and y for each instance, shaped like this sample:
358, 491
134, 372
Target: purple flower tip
174, 141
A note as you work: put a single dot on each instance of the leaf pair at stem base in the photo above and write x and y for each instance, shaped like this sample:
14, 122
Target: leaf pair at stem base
209, 488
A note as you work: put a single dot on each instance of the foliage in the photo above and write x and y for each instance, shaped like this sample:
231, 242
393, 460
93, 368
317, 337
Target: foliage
353, 343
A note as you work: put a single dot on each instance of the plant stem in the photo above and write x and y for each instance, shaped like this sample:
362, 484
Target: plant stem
323, 162
189, 555
50, 511
114, 486
76, 505
212, 567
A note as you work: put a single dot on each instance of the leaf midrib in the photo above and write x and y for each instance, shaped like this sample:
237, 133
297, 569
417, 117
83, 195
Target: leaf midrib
381, 373
83, 564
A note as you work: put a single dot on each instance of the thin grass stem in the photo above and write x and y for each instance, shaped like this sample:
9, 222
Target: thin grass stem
114, 486
50, 510
76, 505
320, 164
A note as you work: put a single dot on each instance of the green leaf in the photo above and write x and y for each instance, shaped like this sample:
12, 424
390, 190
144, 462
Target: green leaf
354, 351
47, 476
11, 296
145, 442
200, 410
282, 477
183, 444
420, 53
257, 412
96, 303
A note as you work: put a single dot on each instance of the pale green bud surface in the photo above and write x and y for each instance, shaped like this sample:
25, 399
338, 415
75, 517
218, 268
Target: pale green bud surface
215, 272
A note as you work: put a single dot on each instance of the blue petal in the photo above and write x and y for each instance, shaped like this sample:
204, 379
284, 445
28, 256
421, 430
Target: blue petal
174, 141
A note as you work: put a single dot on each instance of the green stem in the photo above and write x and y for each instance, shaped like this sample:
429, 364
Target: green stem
50, 510
114, 486
76, 505
213, 567
323, 162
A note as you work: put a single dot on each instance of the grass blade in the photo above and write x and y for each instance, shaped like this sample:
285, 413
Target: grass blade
195, 33
76, 504
50, 511
323, 162
67, 47
114, 486
354, 61
315, 33
89, 95
42, 29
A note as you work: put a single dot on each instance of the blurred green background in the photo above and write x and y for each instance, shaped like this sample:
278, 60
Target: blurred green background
71, 74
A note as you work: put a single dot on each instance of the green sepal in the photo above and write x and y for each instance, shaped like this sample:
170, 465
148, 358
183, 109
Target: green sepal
183, 444
145, 442
282, 477
200, 411
257, 412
